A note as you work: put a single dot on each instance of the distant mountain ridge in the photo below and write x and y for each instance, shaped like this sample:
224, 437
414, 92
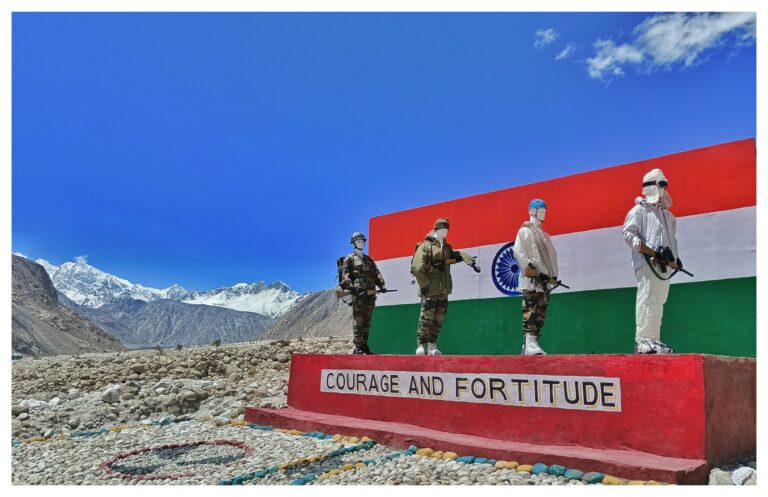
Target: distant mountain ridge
317, 314
88, 286
41, 325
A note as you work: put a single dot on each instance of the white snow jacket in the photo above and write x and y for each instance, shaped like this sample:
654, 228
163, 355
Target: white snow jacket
526, 251
654, 225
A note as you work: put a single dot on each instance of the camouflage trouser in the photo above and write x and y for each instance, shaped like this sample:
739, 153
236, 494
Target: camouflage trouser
431, 319
534, 311
362, 312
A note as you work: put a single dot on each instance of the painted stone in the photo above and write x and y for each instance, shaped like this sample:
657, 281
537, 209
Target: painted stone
612, 480
593, 477
557, 470
539, 468
573, 474
524, 468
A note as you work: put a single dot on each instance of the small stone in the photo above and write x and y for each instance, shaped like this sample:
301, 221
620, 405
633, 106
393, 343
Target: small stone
18, 409
111, 395
719, 477
592, 477
524, 468
556, 470
466, 459
741, 475
138, 368
73, 423
573, 474
23, 416
539, 468
54, 401
282, 357
636, 482
438, 454
189, 395
450, 456
426, 452
612, 480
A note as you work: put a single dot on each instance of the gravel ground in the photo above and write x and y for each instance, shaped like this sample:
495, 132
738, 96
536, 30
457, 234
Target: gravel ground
174, 417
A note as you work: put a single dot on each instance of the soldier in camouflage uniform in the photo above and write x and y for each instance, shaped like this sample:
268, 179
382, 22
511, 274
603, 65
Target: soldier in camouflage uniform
360, 277
431, 266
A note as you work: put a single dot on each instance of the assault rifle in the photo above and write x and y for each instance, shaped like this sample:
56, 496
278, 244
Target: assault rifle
456, 261
347, 293
664, 257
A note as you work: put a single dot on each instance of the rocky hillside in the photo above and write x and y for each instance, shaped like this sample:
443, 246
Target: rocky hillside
41, 325
167, 323
317, 314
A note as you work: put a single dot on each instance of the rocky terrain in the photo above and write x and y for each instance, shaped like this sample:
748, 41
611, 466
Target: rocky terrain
175, 417
318, 314
41, 325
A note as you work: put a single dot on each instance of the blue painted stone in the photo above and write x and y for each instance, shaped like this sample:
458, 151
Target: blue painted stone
593, 477
539, 468
573, 474
310, 478
480, 460
556, 470
467, 459
237, 480
298, 482
412, 449
225, 482
368, 462
492, 462
259, 473
271, 469
328, 437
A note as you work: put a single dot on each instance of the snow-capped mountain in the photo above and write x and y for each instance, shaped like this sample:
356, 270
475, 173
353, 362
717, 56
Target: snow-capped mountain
91, 287
273, 300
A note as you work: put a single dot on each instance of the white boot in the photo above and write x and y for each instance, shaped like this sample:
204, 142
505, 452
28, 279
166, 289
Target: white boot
531, 346
432, 349
420, 349
647, 346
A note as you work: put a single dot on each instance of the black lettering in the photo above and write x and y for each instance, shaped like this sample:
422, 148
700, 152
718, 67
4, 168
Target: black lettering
587, 387
360, 380
551, 384
394, 384
497, 385
605, 395
519, 388
460, 387
328, 382
536, 391
575, 400
474, 389
425, 386
413, 387
374, 386
437, 381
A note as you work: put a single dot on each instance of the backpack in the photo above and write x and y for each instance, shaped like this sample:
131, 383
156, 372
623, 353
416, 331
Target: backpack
340, 267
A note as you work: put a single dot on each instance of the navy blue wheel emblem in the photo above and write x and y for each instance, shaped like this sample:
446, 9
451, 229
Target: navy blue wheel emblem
506, 271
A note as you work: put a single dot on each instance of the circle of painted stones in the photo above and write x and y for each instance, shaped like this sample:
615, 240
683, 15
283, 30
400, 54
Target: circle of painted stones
173, 461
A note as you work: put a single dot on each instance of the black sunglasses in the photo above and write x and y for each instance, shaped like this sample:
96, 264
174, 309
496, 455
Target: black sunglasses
661, 183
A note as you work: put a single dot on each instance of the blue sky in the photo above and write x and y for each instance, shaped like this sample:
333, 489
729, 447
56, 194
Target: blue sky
212, 149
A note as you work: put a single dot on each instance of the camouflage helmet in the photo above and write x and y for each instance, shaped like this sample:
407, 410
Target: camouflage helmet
358, 236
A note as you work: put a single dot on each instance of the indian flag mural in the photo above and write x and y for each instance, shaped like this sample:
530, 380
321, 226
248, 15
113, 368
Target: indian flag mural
714, 194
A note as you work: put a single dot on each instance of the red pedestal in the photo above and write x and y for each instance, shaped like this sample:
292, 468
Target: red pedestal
657, 417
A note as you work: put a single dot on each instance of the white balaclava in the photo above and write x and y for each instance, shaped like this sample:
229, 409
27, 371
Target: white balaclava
441, 233
538, 215
653, 191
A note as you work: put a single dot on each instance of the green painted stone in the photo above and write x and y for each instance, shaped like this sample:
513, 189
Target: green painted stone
556, 470
539, 468
593, 477
573, 474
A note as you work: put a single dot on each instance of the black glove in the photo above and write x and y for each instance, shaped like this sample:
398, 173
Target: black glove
424, 291
679, 263
475, 267
543, 278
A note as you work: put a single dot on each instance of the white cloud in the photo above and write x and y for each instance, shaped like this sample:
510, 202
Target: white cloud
610, 58
566, 52
544, 37
667, 40
81, 259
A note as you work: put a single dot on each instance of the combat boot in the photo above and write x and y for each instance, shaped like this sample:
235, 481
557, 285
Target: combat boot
358, 351
366, 350
531, 346
420, 349
432, 349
